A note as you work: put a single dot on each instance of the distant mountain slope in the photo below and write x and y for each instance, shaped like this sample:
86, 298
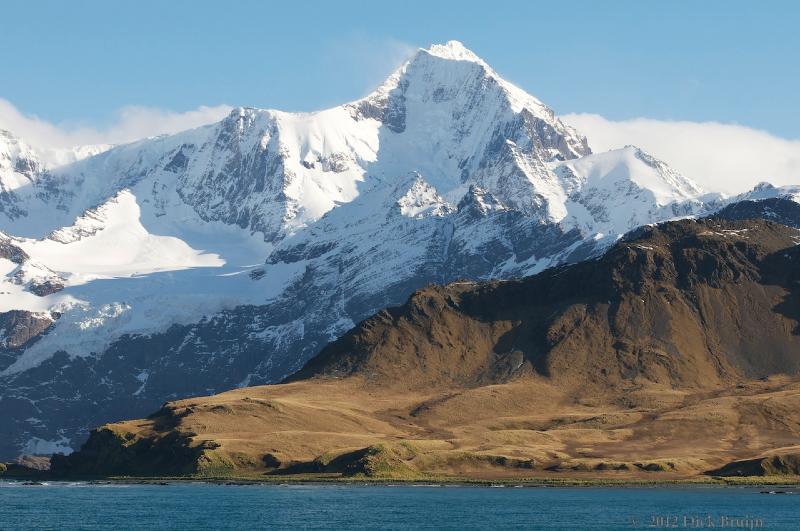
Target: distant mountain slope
230, 254
778, 209
674, 353
684, 304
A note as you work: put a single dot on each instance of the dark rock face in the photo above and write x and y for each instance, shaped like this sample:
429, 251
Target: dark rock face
34, 462
214, 197
9, 251
779, 210
389, 109
19, 327
137, 373
687, 304
776, 465
108, 453
546, 138
179, 161
46, 287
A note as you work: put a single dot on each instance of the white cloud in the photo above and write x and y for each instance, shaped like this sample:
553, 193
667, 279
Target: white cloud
131, 123
720, 157
372, 60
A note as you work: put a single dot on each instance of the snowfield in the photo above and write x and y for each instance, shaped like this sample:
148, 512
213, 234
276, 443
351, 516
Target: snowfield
111, 242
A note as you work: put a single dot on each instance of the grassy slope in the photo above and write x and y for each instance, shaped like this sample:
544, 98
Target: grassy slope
649, 362
327, 429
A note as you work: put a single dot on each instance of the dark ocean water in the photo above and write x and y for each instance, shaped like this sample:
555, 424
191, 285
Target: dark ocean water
205, 506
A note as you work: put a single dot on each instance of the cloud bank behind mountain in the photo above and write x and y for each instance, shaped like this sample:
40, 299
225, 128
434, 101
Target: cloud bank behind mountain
720, 157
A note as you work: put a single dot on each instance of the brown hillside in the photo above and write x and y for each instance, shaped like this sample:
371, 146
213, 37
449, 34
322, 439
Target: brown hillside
685, 304
675, 354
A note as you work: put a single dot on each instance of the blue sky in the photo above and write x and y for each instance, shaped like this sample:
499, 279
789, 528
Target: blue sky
79, 62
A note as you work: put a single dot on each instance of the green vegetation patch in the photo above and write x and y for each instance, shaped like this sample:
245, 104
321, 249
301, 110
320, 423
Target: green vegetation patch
377, 461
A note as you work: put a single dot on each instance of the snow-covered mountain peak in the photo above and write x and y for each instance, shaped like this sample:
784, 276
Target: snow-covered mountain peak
20, 164
628, 166
447, 115
19, 154
421, 200
678, 185
444, 114
460, 64
480, 201
616, 191
765, 190
448, 68
454, 51
15, 153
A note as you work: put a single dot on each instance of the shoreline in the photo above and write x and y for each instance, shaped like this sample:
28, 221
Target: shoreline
532, 482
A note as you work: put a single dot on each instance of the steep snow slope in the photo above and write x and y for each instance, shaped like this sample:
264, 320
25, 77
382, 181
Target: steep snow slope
229, 254
110, 242
614, 192
29, 192
19, 163
113, 277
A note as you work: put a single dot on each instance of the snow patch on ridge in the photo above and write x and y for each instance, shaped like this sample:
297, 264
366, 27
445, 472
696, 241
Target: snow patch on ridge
111, 242
120, 278
422, 200
38, 446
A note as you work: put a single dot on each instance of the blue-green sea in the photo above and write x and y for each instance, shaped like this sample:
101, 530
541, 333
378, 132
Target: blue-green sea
195, 506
